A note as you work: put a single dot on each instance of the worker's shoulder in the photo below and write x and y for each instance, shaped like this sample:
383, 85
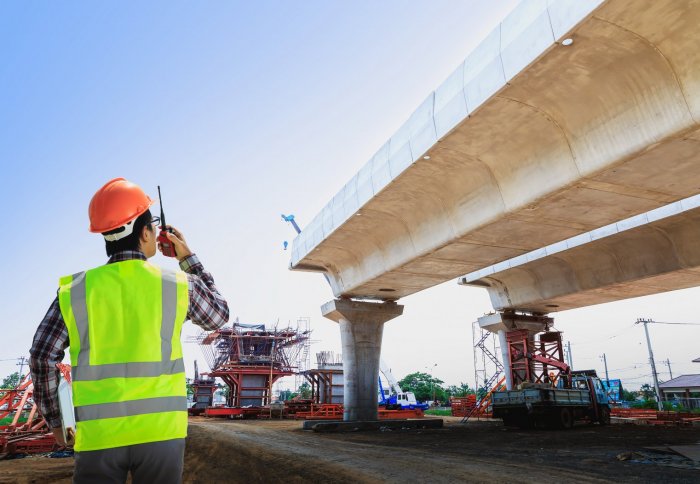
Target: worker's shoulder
167, 272
177, 276
70, 279
155, 270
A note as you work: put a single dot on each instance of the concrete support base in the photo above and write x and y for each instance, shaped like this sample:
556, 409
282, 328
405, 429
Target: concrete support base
361, 329
338, 426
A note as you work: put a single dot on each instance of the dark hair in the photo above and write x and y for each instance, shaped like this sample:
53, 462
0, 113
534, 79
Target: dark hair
132, 241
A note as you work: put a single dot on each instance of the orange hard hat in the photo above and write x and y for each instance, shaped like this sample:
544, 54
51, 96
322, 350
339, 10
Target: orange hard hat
116, 204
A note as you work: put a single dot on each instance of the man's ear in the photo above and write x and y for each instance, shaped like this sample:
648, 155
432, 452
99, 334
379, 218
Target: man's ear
146, 232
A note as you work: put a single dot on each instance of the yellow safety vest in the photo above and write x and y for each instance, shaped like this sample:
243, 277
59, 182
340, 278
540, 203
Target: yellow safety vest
124, 322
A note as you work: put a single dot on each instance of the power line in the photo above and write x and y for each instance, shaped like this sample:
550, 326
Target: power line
666, 322
606, 338
637, 378
627, 368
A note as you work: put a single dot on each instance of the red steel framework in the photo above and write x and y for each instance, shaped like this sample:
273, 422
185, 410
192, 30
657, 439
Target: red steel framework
537, 358
203, 389
28, 432
250, 358
533, 358
327, 380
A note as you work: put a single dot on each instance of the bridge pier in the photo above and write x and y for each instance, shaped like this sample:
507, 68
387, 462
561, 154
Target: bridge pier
501, 322
361, 328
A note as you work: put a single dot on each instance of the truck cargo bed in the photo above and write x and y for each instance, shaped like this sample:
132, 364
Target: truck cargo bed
541, 396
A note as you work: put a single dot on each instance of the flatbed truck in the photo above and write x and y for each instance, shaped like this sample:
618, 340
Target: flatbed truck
541, 405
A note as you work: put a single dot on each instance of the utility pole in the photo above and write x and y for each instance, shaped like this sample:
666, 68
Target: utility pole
651, 362
668, 363
432, 382
569, 358
21, 362
605, 362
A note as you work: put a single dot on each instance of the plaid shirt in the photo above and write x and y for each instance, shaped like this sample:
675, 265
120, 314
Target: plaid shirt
207, 309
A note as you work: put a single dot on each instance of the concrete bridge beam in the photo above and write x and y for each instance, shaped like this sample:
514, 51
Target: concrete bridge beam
647, 254
531, 141
361, 329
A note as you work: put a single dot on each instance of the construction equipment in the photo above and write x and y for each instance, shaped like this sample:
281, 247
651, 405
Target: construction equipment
250, 358
488, 376
327, 380
462, 406
482, 407
203, 388
27, 432
548, 393
297, 229
394, 398
536, 358
166, 246
539, 405
290, 219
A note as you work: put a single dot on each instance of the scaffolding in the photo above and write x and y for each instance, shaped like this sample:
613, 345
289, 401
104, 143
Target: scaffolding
327, 383
488, 371
203, 389
250, 358
304, 359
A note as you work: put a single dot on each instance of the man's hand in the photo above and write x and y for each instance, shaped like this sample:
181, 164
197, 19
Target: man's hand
58, 435
178, 240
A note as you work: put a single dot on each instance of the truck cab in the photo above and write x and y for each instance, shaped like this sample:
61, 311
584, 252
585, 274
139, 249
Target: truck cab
406, 400
397, 401
588, 380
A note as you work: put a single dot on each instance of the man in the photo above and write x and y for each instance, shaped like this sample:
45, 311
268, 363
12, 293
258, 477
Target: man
122, 322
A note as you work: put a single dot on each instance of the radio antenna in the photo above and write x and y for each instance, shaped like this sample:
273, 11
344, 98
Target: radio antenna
162, 214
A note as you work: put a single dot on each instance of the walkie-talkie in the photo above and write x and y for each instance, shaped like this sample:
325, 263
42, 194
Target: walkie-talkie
166, 246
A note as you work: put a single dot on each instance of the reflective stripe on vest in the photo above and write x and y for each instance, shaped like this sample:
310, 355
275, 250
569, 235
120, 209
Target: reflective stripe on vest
124, 322
131, 407
127, 370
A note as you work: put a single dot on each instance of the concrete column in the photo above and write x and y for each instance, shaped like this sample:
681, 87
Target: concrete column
361, 328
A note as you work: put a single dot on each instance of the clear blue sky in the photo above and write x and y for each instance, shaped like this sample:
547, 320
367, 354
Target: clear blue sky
242, 111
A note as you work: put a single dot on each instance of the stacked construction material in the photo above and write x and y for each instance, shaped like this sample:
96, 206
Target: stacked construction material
647, 416
462, 406
297, 405
334, 411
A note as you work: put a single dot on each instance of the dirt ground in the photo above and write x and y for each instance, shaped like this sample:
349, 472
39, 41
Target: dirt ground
262, 451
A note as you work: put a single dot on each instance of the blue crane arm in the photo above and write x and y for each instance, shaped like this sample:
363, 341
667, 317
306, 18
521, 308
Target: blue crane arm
290, 219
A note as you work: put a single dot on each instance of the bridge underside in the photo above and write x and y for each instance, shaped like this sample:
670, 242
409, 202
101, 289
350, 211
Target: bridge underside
645, 255
518, 155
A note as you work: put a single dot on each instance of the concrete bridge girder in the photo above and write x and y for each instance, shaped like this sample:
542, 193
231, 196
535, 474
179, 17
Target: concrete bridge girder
573, 139
657, 256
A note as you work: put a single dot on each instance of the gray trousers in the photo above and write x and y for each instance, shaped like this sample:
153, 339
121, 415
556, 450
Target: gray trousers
154, 462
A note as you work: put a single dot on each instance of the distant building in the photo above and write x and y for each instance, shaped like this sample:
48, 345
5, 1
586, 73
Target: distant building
684, 388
